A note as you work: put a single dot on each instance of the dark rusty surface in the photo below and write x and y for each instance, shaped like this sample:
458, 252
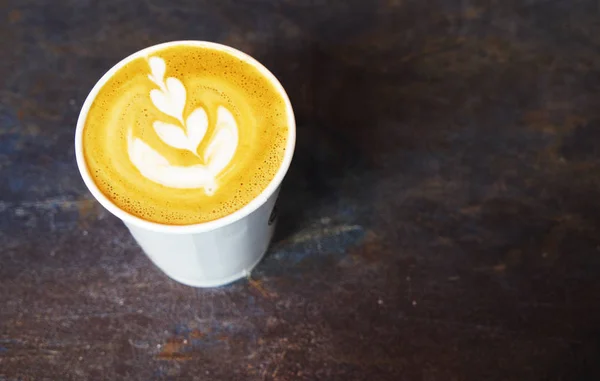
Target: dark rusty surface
441, 220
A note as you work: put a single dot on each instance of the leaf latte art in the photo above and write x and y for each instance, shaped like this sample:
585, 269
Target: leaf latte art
170, 98
185, 134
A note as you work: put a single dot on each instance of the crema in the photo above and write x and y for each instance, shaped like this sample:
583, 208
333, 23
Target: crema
186, 134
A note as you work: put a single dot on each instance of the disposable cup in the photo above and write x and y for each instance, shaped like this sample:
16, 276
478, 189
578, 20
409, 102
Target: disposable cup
207, 254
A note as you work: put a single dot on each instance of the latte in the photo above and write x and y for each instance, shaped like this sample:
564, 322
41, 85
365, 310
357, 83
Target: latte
185, 134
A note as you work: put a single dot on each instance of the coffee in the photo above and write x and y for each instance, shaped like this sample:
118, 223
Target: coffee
185, 134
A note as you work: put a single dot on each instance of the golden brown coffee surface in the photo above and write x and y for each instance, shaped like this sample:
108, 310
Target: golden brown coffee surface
185, 135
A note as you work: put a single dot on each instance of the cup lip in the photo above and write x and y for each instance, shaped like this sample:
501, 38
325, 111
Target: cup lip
247, 209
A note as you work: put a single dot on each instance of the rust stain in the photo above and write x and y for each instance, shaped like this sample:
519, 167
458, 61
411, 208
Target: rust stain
572, 121
86, 208
370, 250
14, 16
539, 120
471, 210
499, 268
472, 13
173, 350
33, 109
196, 334
552, 119
257, 285
499, 49
174, 356
58, 49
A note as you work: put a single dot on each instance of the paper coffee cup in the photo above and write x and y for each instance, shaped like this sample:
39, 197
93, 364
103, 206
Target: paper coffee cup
207, 254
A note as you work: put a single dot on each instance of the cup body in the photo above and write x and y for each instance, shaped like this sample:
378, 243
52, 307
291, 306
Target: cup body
214, 257
208, 254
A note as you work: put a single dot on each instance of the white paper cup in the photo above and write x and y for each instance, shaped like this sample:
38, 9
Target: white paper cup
208, 254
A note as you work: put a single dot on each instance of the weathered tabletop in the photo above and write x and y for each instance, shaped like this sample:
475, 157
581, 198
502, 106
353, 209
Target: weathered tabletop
441, 220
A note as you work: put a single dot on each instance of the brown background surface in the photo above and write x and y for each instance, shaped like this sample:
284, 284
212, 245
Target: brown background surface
441, 220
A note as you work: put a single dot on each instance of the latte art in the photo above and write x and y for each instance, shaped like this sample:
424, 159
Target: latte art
185, 134
170, 98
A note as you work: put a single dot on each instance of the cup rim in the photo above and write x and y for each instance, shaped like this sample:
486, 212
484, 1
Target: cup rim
247, 209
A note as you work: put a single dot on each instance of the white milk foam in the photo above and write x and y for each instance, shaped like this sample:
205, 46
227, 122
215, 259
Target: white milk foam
170, 99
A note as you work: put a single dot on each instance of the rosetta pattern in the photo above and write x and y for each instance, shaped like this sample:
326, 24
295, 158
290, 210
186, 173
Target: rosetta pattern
170, 98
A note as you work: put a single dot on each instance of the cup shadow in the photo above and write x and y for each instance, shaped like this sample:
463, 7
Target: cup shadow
334, 137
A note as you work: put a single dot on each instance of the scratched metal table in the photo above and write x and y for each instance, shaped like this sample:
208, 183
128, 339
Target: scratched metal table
441, 220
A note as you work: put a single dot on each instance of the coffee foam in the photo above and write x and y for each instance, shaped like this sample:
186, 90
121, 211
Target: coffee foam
186, 135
